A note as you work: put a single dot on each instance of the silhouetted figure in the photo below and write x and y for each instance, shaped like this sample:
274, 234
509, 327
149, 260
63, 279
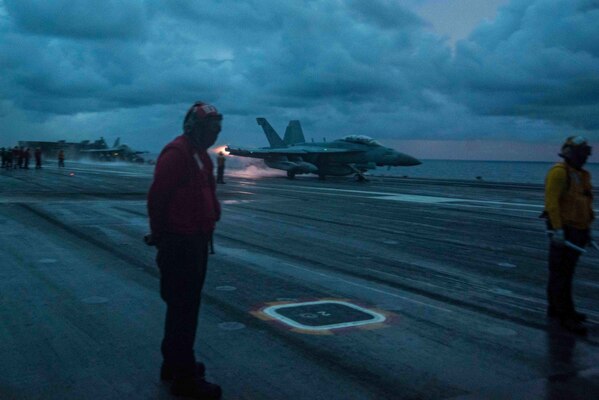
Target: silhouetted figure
220, 167
569, 213
8, 158
38, 158
21, 157
26, 157
61, 158
15, 157
183, 211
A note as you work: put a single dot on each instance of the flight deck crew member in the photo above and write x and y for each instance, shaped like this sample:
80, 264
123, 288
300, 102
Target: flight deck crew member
15, 157
61, 158
21, 157
26, 157
569, 210
38, 158
220, 167
8, 154
183, 211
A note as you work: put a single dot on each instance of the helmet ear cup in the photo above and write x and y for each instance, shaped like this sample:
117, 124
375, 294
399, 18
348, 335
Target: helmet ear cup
187, 121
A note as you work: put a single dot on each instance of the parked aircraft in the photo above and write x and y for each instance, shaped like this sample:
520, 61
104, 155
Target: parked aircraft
354, 154
118, 152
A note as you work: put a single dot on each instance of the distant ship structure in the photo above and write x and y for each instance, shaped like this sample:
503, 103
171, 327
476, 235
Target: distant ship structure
97, 150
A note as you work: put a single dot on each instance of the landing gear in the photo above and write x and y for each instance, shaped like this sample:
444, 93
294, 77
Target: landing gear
359, 174
290, 174
361, 178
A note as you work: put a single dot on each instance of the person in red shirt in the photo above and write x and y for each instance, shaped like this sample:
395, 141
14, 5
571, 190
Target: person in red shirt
183, 210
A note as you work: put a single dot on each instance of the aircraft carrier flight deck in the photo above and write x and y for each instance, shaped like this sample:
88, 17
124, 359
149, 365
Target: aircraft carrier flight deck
395, 288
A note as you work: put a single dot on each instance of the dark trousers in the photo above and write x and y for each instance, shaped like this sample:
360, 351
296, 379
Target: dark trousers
182, 262
220, 172
562, 263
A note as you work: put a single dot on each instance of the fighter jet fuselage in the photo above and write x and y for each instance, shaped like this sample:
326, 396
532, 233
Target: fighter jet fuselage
353, 154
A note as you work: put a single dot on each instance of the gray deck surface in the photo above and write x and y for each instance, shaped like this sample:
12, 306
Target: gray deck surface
457, 268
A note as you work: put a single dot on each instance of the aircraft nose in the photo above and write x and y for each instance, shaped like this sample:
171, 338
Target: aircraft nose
406, 160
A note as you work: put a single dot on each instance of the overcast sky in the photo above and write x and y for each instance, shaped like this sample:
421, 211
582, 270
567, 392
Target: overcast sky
442, 78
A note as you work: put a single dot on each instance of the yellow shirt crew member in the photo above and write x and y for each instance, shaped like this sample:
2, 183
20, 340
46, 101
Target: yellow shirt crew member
569, 209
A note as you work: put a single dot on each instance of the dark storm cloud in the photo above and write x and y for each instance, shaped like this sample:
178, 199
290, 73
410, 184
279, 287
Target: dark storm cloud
88, 19
336, 54
538, 59
66, 77
340, 66
385, 14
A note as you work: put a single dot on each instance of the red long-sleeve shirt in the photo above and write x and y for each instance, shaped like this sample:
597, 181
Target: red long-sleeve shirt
182, 198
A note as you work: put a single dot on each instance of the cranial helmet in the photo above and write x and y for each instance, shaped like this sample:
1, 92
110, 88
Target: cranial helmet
198, 113
575, 143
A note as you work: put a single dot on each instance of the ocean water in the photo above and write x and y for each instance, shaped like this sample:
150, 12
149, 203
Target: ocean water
490, 171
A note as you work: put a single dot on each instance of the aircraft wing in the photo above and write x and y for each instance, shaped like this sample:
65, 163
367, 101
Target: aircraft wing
284, 151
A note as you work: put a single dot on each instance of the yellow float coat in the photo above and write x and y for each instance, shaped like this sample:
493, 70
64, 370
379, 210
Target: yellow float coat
569, 201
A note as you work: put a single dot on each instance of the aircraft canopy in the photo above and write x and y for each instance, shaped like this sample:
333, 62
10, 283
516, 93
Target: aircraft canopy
361, 139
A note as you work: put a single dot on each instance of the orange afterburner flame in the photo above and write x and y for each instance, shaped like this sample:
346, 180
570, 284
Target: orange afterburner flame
218, 149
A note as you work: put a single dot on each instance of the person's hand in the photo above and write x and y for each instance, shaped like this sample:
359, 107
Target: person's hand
557, 237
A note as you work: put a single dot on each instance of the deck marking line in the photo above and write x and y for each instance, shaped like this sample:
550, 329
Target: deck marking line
271, 311
370, 288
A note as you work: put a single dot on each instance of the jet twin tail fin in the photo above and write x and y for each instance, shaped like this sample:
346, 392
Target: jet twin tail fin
294, 133
273, 137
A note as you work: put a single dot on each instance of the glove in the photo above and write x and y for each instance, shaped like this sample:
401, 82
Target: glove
557, 237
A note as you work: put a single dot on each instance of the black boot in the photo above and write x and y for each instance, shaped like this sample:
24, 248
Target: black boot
196, 389
580, 317
573, 326
166, 373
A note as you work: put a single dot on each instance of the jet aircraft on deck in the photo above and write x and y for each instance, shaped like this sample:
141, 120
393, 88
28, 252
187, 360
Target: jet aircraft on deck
118, 151
354, 154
